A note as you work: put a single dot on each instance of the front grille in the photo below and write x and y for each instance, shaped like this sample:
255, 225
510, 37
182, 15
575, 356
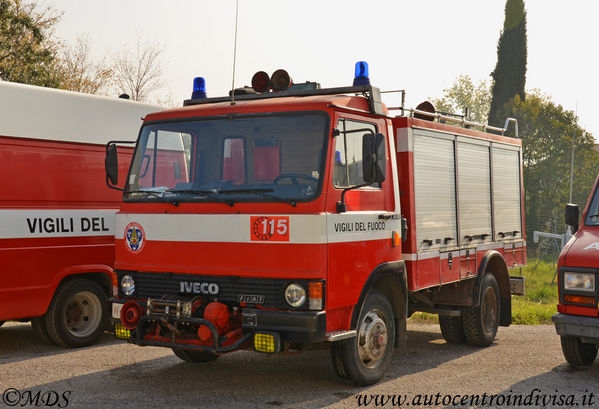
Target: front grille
158, 285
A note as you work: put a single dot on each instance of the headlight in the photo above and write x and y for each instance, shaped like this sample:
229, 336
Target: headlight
579, 281
295, 295
127, 285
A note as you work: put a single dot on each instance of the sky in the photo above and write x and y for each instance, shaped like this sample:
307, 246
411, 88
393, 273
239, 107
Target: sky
419, 46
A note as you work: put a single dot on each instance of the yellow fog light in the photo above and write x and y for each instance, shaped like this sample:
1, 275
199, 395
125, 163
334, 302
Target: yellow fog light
267, 342
121, 332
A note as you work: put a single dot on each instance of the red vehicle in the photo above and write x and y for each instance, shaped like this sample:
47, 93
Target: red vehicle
309, 215
56, 213
577, 320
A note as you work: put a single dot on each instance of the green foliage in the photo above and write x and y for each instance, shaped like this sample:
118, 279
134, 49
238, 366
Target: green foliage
509, 76
548, 131
465, 94
540, 301
27, 54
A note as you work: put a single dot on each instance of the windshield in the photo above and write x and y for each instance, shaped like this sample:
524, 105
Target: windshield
245, 158
592, 218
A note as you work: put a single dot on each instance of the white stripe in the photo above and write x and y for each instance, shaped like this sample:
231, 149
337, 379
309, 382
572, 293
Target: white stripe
36, 223
394, 169
489, 246
221, 228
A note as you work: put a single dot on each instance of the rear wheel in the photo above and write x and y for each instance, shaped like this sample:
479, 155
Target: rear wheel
39, 327
194, 356
78, 314
366, 357
481, 323
452, 329
578, 353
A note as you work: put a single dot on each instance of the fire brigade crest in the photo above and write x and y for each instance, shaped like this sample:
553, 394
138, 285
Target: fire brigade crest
135, 237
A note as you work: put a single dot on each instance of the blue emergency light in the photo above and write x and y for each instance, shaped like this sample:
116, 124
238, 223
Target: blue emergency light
361, 75
199, 88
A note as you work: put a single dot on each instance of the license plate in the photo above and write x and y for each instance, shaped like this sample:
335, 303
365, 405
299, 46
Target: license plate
249, 319
116, 310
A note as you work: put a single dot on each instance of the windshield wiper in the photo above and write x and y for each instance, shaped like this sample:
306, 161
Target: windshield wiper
264, 192
158, 195
204, 192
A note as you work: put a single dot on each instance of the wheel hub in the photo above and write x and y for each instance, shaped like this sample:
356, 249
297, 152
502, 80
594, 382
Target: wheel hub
372, 339
83, 314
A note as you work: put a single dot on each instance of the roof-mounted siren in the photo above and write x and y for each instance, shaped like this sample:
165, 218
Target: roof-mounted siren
199, 88
425, 107
361, 74
261, 82
280, 80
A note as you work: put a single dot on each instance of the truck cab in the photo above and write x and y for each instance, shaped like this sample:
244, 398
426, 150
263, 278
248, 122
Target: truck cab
577, 320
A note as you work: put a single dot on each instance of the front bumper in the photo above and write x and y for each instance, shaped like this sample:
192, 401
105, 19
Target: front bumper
300, 327
304, 327
586, 328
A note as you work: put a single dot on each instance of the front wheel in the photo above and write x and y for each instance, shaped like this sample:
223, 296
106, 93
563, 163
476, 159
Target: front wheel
194, 356
78, 314
481, 323
366, 357
578, 353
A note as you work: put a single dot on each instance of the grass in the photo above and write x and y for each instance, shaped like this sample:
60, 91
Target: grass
535, 308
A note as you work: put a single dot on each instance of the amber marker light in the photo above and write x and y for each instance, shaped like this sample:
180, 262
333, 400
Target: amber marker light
396, 239
315, 295
579, 299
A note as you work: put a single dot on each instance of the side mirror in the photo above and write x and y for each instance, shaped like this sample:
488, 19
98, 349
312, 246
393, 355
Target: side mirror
111, 165
373, 158
572, 214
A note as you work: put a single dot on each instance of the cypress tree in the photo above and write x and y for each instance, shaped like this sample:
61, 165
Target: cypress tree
509, 76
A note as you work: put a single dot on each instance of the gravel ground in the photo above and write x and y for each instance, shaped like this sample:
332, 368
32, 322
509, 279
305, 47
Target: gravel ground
524, 363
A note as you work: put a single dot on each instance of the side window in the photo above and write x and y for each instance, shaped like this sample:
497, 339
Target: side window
165, 161
347, 170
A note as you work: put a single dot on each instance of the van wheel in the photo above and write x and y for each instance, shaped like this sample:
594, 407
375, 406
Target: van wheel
39, 328
481, 323
452, 329
194, 356
367, 356
78, 314
578, 353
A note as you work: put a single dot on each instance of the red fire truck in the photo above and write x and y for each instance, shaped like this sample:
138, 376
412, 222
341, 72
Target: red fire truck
56, 213
287, 215
577, 320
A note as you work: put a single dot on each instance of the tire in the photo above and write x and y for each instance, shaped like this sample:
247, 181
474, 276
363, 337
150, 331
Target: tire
366, 357
194, 356
78, 313
39, 327
481, 323
578, 353
337, 360
452, 329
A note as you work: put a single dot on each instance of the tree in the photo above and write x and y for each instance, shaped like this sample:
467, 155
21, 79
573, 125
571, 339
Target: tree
80, 73
509, 76
465, 94
138, 73
548, 131
27, 51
